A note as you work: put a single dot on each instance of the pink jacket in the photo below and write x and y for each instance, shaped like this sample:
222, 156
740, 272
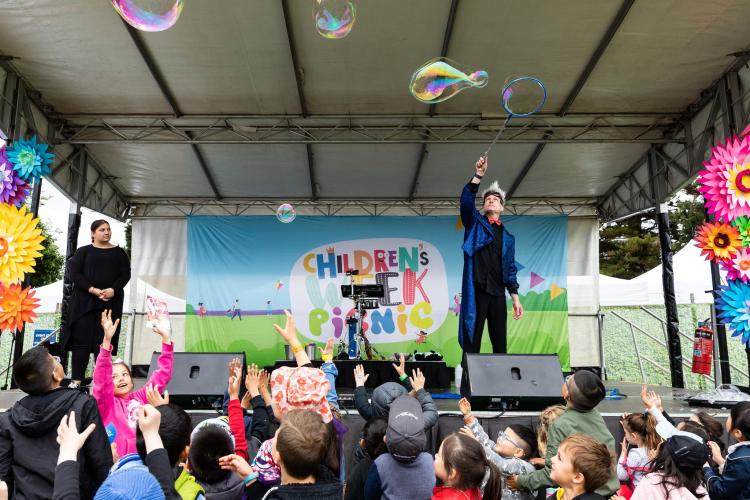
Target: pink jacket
650, 488
123, 411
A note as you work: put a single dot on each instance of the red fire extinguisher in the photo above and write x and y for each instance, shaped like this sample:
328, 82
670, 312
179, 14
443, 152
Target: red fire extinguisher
703, 350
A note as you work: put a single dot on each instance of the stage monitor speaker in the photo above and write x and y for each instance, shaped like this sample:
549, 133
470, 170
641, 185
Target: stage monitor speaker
199, 379
515, 381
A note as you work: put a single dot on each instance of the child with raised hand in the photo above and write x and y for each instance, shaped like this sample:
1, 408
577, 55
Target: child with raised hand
303, 387
460, 464
28, 430
509, 453
675, 472
734, 481
644, 442
218, 437
113, 385
129, 478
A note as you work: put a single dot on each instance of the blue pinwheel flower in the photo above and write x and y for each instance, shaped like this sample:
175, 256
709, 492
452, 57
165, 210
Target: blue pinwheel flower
734, 308
30, 159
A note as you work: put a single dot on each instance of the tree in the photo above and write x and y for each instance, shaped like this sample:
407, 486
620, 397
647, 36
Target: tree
630, 247
49, 267
128, 236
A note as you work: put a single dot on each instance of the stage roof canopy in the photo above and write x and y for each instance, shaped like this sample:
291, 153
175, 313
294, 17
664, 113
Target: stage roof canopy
242, 104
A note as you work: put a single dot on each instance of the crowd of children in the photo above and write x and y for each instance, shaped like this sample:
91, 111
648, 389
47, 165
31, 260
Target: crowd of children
58, 442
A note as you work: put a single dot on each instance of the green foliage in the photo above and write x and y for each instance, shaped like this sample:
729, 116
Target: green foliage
49, 267
128, 236
630, 247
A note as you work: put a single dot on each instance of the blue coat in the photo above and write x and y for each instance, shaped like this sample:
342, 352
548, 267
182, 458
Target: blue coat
478, 234
734, 483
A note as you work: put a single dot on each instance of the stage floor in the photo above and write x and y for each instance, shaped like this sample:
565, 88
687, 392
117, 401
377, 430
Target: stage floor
673, 400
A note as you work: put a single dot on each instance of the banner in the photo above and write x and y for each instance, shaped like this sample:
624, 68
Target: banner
244, 271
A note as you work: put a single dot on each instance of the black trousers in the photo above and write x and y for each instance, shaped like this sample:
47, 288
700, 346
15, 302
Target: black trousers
490, 308
86, 336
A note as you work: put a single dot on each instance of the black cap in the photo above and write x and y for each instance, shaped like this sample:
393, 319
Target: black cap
405, 435
687, 453
586, 390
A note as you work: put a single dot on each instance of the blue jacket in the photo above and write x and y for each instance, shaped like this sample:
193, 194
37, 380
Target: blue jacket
734, 483
478, 234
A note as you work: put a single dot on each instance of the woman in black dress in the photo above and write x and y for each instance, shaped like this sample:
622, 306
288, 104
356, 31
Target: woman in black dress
99, 273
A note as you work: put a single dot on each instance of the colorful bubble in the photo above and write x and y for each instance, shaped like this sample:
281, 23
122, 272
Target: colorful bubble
523, 95
286, 213
439, 79
149, 15
334, 18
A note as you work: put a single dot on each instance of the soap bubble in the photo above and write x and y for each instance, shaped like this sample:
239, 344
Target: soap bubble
334, 18
523, 95
285, 213
149, 15
440, 79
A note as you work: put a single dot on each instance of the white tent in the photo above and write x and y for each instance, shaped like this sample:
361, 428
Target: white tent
692, 280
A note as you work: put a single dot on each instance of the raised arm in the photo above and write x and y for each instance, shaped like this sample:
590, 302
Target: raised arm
104, 388
469, 194
163, 374
289, 334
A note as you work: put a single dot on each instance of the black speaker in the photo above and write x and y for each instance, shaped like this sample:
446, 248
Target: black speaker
515, 381
199, 379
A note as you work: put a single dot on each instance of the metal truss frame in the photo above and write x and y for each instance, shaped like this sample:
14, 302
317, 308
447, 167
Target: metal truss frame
185, 207
366, 129
24, 113
722, 110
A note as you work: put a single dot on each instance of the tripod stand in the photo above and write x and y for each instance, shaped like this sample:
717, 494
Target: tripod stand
364, 298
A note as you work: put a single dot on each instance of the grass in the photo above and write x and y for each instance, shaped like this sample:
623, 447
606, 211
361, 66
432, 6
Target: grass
620, 354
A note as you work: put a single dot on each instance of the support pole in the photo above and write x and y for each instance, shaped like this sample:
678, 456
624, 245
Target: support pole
670, 304
74, 225
721, 330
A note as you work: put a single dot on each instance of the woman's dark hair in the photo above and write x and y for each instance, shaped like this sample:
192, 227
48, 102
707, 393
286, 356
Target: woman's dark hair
672, 476
713, 427
466, 456
373, 434
96, 225
740, 416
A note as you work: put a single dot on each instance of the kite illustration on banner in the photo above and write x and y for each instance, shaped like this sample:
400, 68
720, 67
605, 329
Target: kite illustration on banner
535, 280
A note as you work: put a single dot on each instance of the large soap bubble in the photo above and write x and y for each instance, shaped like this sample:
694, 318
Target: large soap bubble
440, 79
149, 15
334, 18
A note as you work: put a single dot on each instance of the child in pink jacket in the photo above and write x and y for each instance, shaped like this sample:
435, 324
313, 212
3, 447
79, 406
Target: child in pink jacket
113, 386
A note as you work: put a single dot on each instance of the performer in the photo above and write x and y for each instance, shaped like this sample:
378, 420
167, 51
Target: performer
99, 273
489, 270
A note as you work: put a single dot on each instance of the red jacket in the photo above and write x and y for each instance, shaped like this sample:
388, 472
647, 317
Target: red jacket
450, 493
